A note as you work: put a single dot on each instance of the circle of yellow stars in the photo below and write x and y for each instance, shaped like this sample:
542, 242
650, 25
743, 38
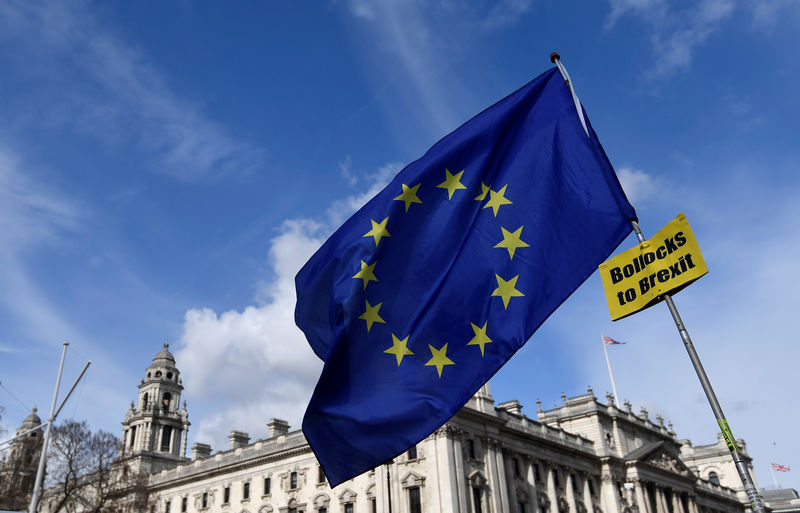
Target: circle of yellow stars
506, 288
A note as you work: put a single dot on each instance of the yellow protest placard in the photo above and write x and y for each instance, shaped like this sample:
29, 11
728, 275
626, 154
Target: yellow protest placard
669, 261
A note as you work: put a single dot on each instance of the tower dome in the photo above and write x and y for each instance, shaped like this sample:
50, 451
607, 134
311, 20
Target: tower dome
164, 358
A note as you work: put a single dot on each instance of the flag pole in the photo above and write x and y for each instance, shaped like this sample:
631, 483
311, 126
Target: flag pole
610, 374
774, 479
756, 503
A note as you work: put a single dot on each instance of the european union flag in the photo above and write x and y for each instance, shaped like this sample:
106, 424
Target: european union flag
421, 296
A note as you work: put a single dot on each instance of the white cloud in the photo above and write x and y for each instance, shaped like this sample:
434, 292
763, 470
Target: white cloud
638, 185
96, 83
251, 365
676, 34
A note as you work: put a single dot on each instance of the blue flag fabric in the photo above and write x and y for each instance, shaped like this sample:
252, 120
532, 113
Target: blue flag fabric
426, 291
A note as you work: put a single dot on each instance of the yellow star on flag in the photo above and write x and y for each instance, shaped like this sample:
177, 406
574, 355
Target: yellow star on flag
484, 192
399, 348
378, 230
452, 182
511, 241
371, 315
439, 358
367, 273
506, 289
409, 195
497, 200
480, 338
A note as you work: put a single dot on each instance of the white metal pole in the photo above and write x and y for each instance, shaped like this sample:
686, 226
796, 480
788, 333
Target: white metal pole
756, 502
610, 374
774, 479
40, 473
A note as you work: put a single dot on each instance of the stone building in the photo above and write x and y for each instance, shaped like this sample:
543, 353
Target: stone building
584, 456
18, 469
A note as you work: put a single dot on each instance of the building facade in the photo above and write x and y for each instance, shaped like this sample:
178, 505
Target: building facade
584, 456
18, 468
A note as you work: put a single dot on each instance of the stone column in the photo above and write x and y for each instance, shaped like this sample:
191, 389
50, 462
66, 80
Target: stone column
641, 498
677, 507
587, 494
693, 505
461, 478
185, 439
381, 498
445, 467
569, 484
609, 497
502, 477
662, 500
492, 475
530, 479
552, 494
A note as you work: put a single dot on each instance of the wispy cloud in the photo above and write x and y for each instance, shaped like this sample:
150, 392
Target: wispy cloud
32, 215
99, 84
676, 34
424, 39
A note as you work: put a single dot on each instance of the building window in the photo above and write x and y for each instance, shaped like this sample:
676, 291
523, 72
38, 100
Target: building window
713, 477
144, 401
412, 452
320, 475
226, 495
293, 481
590, 482
166, 434
470, 448
537, 473
292, 510
414, 500
556, 481
267, 483
348, 507
167, 507
515, 464
246, 490
322, 509
521, 507
184, 503
133, 435
476, 499
204, 501
374, 503
165, 400
575, 484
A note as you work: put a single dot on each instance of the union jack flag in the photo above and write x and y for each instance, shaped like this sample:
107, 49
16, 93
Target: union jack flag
780, 468
610, 341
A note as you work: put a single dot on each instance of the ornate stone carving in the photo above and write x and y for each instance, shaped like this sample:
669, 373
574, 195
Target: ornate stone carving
667, 462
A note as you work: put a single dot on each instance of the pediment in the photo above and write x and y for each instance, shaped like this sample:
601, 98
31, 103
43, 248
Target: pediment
661, 456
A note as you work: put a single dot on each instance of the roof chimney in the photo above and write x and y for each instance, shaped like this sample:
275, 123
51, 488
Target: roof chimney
238, 439
277, 427
200, 451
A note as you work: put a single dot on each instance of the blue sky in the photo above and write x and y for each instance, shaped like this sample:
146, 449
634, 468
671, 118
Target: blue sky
166, 168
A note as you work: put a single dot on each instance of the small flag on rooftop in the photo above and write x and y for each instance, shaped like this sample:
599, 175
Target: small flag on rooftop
610, 341
780, 468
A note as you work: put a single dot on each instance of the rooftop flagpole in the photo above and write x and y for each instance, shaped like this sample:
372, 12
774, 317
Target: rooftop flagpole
610, 374
756, 503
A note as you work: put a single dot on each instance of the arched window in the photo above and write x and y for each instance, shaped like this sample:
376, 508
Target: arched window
165, 400
144, 401
713, 477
